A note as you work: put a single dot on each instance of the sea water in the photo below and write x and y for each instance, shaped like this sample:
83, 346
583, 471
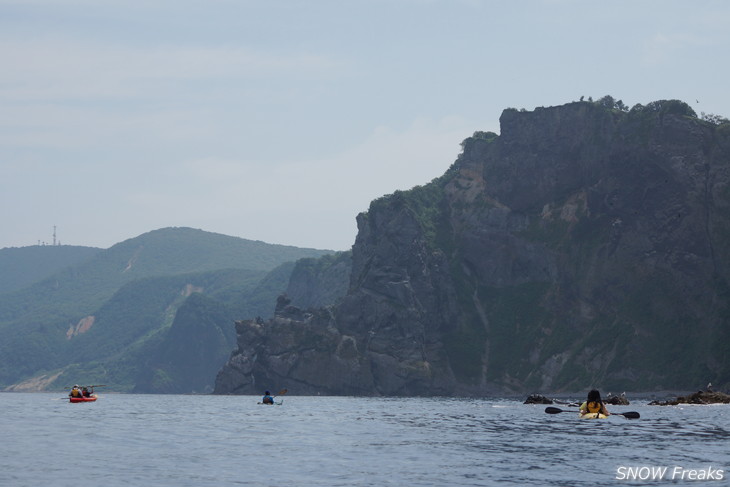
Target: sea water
186, 440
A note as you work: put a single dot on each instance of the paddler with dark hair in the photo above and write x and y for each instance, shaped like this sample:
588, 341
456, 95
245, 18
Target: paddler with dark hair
594, 404
267, 399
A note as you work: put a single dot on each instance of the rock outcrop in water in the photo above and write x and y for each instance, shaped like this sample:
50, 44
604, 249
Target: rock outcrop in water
699, 397
585, 246
537, 399
620, 400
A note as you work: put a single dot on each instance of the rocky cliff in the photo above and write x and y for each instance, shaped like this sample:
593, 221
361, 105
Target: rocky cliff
318, 282
586, 245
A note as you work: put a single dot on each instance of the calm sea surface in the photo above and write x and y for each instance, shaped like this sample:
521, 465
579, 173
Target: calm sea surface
163, 440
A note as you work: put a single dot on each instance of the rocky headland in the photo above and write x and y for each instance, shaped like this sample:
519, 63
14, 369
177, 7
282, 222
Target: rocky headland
585, 244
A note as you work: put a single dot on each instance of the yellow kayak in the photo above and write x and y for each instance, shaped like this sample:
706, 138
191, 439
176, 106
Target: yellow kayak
593, 416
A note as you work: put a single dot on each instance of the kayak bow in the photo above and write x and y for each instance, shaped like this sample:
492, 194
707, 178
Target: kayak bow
91, 398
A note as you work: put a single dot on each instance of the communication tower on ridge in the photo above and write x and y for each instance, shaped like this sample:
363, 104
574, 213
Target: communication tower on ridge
55, 243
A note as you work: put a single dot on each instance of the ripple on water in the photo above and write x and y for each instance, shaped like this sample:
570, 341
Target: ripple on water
227, 440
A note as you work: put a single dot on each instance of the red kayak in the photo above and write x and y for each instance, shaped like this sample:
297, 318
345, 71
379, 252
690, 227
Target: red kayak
91, 398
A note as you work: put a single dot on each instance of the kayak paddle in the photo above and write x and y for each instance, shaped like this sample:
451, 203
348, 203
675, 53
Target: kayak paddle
628, 415
281, 393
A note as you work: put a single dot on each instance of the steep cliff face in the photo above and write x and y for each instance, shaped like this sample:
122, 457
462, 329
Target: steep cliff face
192, 351
583, 246
318, 282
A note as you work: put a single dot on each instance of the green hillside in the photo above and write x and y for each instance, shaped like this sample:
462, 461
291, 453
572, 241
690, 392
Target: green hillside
78, 290
124, 300
166, 334
22, 266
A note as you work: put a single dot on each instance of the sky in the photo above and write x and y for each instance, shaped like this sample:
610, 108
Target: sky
280, 121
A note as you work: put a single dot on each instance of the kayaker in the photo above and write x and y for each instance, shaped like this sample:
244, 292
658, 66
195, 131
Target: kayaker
75, 392
594, 404
267, 399
85, 391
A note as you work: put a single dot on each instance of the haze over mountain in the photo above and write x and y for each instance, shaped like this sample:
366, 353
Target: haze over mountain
253, 118
113, 317
586, 245
583, 246
22, 266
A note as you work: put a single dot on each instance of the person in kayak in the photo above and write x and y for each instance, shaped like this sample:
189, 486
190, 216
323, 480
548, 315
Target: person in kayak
75, 392
594, 404
267, 399
85, 391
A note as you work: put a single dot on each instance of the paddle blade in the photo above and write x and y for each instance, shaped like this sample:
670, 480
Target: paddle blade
282, 392
631, 415
552, 410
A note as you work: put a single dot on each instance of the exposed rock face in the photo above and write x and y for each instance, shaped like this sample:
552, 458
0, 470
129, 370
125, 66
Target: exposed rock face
81, 327
302, 348
584, 246
36, 384
320, 282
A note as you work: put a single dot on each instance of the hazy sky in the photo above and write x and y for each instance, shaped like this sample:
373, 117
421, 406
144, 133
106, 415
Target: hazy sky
281, 120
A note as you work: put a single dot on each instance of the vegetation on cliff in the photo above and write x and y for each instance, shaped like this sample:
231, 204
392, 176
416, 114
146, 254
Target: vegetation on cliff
586, 245
22, 266
122, 316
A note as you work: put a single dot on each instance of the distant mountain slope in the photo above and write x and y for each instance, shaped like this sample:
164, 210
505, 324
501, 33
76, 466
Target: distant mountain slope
99, 308
183, 250
22, 266
78, 290
159, 334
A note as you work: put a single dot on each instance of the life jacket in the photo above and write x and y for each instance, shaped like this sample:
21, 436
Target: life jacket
268, 400
75, 393
594, 407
